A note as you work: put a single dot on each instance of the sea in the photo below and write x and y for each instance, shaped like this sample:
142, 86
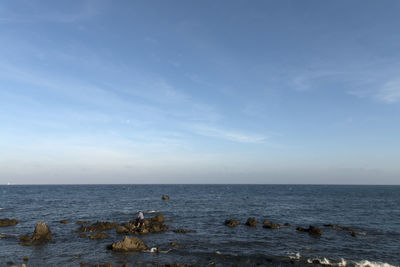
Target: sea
372, 211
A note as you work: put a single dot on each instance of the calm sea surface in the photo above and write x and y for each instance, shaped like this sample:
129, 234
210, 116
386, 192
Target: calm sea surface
372, 210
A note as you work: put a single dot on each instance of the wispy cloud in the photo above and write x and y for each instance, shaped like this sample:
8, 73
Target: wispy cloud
235, 136
390, 92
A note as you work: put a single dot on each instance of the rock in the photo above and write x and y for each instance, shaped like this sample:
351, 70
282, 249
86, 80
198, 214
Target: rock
129, 244
64, 221
25, 240
83, 235
102, 265
158, 218
42, 232
271, 225
122, 230
181, 231
126, 265
231, 223
287, 224
98, 236
312, 230
98, 227
176, 245
165, 197
82, 222
251, 222
26, 258
8, 222
342, 228
23, 265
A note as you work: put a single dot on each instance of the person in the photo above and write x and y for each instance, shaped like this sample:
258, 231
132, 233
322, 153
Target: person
140, 219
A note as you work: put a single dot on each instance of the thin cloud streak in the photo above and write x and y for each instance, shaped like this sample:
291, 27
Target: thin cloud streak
211, 131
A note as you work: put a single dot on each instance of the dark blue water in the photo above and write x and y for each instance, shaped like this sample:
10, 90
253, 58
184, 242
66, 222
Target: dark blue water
373, 210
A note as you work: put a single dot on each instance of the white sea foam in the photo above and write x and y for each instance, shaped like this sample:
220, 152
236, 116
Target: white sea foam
294, 255
366, 263
152, 211
343, 262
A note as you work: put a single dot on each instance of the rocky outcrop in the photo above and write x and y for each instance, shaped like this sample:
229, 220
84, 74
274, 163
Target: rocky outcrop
154, 225
270, 225
98, 227
41, 234
129, 244
165, 197
231, 223
99, 235
351, 231
312, 230
252, 222
8, 222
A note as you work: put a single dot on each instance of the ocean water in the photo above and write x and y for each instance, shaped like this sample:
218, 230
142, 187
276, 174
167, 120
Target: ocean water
374, 211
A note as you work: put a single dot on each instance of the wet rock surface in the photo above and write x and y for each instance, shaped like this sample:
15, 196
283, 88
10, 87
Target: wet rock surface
231, 223
165, 197
8, 222
252, 222
41, 235
270, 225
128, 244
98, 227
312, 230
351, 231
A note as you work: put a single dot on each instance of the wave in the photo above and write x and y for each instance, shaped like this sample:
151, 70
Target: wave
152, 211
343, 262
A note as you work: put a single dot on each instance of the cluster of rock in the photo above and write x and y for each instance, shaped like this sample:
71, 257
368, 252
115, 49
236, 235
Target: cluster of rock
8, 222
252, 222
154, 225
41, 234
312, 230
351, 231
128, 244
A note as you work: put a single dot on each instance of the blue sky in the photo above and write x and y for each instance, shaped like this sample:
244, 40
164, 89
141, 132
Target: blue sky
200, 92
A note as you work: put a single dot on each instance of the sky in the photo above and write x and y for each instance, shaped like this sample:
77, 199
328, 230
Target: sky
288, 92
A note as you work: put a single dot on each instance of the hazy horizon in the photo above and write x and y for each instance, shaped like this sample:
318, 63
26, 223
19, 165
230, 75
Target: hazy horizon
214, 92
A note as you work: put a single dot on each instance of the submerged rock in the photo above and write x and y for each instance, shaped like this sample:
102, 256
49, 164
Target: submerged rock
312, 230
271, 225
176, 245
129, 244
252, 222
231, 223
8, 222
181, 231
64, 221
98, 227
351, 231
98, 236
165, 197
82, 222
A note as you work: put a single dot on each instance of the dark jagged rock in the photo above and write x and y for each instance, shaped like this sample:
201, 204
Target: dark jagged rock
351, 231
8, 222
129, 244
181, 231
98, 227
42, 232
102, 265
252, 222
165, 197
231, 223
64, 221
158, 218
82, 222
271, 225
98, 236
312, 230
